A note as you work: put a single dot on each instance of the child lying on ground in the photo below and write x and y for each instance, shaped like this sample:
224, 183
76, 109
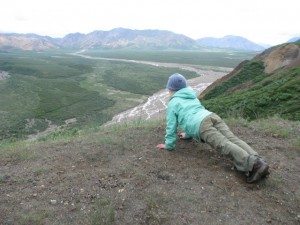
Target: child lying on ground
185, 110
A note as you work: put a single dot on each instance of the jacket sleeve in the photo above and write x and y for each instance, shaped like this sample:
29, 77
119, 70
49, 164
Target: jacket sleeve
171, 129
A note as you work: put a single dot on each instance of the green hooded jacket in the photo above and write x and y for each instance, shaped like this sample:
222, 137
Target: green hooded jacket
184, 110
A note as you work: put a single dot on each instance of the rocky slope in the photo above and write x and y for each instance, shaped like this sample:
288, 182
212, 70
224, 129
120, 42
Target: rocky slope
284, 56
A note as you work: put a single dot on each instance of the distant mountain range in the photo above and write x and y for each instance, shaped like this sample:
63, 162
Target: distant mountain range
127, 38
120, 38
26, 42
294, 39
230, 42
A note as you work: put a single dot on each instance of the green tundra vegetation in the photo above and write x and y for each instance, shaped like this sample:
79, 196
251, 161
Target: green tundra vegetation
253, 94
48, 88
54, 86
218, 58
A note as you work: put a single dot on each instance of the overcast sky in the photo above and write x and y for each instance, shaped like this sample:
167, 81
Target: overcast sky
262, 21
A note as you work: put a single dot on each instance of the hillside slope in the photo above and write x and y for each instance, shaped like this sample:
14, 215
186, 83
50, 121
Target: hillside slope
264, 86
116, 176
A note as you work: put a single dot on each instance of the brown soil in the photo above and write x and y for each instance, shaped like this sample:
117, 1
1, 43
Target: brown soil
117, 176
285, 55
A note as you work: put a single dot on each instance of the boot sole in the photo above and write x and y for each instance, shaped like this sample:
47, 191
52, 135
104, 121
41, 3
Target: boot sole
261, 173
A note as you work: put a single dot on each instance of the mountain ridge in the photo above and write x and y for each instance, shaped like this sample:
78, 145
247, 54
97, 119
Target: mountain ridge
230, 42
26, 42
117, 38
124, 38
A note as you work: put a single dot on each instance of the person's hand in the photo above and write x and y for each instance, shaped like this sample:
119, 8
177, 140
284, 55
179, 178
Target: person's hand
161, 146
182, 135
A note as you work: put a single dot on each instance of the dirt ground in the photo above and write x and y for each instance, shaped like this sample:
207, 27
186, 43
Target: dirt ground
117, 176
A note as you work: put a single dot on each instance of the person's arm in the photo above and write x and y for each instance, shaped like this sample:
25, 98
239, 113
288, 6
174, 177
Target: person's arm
171, 129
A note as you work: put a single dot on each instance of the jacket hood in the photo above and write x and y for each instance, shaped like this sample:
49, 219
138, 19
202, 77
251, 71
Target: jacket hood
187, 93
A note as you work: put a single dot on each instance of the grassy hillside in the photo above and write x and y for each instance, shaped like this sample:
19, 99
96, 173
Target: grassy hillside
114, 175
251, 93
51, 87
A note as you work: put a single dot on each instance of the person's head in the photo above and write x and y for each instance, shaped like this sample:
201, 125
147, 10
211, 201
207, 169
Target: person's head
176, 82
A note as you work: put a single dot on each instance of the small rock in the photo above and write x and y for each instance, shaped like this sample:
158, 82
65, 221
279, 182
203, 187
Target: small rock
269, 221
34, 194
53, 201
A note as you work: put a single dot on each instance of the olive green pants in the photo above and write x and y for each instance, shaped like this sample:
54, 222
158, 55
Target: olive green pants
215, 132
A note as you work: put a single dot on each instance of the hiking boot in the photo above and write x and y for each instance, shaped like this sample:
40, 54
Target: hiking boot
260, 170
